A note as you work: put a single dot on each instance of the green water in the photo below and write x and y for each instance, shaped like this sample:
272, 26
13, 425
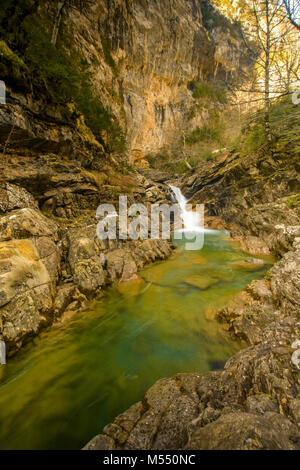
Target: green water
71, 381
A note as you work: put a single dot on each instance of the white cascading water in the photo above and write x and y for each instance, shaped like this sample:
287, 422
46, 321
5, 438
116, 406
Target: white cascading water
191, 220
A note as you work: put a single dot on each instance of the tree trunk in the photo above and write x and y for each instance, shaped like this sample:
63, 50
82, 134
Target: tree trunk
267, 74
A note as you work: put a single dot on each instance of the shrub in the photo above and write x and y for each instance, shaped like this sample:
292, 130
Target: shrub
254, 139
208, 90
211, 131
284, 125
175, 162
212, 19
107, 55
293, 201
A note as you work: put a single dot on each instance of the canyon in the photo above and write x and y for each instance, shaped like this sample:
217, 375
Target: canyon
254, 402
144, 60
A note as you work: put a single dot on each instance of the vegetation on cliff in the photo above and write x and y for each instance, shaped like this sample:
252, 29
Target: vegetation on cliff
284, 130
57, 74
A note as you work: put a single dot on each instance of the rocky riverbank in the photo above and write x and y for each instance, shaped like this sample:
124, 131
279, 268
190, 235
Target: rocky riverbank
254, 402
51, 262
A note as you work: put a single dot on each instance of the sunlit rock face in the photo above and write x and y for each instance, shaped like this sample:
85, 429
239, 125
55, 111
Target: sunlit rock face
146, 54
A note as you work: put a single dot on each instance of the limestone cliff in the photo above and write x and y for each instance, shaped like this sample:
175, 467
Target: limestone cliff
160, 47
143, 56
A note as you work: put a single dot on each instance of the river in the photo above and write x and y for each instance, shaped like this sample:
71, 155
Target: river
62, 388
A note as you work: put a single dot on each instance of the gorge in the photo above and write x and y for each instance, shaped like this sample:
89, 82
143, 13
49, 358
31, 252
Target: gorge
141, 98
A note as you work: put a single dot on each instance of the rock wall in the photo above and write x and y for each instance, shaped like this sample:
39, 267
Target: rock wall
159, 47
144, 56
256, 196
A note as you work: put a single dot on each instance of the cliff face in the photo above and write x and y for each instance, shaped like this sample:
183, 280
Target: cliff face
159, 48
144, 58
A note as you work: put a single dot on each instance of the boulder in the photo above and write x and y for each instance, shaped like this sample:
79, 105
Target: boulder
120, 265
14, 197
29, 271
27, 223
26, 292
246, 431
85, 262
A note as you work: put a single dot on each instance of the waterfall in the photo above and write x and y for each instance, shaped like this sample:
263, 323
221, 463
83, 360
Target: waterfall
191, 220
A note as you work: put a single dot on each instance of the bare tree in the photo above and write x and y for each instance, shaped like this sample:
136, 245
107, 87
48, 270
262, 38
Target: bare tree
287, 62
268, 37
292, 9
266, 26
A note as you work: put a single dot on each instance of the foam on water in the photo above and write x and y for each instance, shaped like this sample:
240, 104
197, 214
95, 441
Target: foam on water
191, 219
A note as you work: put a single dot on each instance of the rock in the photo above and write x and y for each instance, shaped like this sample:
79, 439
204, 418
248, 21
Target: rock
226, 420
27, 223
201, 282
252, 264
100, 442
294, 406
207, 416
253, 313
158, 59
260, 404
26, 292
246, 431
50, 255
95, 263
63, 298
156, 175
68, 314
260, 290
14, 197
29, 271
254, 245
120, 265
158, 422
285, 281
85, 262
27, 127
